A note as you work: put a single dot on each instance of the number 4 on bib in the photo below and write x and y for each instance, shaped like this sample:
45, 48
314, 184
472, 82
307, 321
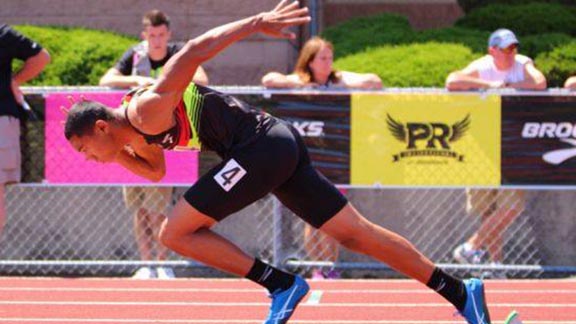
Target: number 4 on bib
230, 174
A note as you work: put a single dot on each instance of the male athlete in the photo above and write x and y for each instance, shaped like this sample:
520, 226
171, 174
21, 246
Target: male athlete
261, 154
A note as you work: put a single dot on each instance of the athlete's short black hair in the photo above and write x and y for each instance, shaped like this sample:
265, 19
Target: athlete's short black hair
82, 117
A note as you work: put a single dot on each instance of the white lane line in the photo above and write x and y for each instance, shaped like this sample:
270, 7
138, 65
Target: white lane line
314, 299
189, 321
51, 279
246, 304
258, 290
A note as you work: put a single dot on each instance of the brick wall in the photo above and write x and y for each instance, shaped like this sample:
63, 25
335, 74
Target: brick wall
422, 14
243, 63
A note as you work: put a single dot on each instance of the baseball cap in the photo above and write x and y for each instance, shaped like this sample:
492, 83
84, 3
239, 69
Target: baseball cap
502, 38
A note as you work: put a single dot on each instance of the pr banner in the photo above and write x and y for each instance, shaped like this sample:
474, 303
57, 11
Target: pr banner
425, 139
64, 165
539, 140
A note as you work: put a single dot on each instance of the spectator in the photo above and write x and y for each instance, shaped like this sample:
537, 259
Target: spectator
503, 67
314, 68
570, 83
149, 207
13, 45
141, 65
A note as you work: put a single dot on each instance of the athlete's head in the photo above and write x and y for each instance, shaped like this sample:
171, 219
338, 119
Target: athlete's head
315, 62
90, 128
156, 31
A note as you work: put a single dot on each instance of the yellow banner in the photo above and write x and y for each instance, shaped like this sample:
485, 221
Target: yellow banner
425, 139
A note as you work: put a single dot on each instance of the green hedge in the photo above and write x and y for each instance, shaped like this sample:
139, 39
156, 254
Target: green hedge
528, 19
357, 35
476, 40
79, 56
386, 45
422, 65
469, 5
558, 65
534, 45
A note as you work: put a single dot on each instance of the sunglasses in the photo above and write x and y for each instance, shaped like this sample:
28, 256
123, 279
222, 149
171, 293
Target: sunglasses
510, 49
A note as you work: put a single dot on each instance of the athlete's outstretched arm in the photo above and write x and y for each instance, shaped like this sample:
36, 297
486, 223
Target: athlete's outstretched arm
179, 70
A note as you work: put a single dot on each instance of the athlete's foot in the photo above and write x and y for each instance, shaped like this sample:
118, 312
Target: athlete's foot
284, 302
475, 311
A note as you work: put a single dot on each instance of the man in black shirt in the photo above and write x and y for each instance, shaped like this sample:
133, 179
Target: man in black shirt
141, 64
14, 46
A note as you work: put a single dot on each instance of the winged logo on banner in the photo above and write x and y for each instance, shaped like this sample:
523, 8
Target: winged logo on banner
399, 132
396, 128
459, 128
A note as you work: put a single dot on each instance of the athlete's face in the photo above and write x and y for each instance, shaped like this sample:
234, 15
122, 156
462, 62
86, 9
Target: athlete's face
321, 65
157, 37
99, 146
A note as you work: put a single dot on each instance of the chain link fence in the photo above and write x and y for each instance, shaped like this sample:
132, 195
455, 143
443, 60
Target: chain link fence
89, 230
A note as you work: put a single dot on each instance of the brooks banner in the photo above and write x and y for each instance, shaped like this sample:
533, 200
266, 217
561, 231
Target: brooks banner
539, 140
425, 139
65, 165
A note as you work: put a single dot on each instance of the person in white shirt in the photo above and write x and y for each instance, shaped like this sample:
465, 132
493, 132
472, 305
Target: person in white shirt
502, 67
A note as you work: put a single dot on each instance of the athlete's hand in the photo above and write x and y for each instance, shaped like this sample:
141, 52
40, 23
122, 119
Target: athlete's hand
286, 14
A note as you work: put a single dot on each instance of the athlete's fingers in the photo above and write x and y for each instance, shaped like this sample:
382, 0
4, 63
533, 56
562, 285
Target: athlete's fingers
280, 5
293, 5
300, 12
295, 21
288, 35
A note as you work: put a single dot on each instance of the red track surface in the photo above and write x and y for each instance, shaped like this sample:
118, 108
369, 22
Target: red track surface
195, 301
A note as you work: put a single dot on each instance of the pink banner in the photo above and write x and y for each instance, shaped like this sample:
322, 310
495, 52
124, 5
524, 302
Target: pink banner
65, 165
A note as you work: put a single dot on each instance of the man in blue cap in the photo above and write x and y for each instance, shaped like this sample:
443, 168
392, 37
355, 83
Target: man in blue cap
502, 67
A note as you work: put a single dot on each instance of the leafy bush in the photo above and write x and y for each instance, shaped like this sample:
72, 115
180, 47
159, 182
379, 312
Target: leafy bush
406, 58
534, 45
558, 65
357, 35
469, 5
79, 56
415, 65
532, 18
476, 40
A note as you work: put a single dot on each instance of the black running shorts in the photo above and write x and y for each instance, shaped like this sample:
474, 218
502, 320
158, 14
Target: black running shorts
277, 162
